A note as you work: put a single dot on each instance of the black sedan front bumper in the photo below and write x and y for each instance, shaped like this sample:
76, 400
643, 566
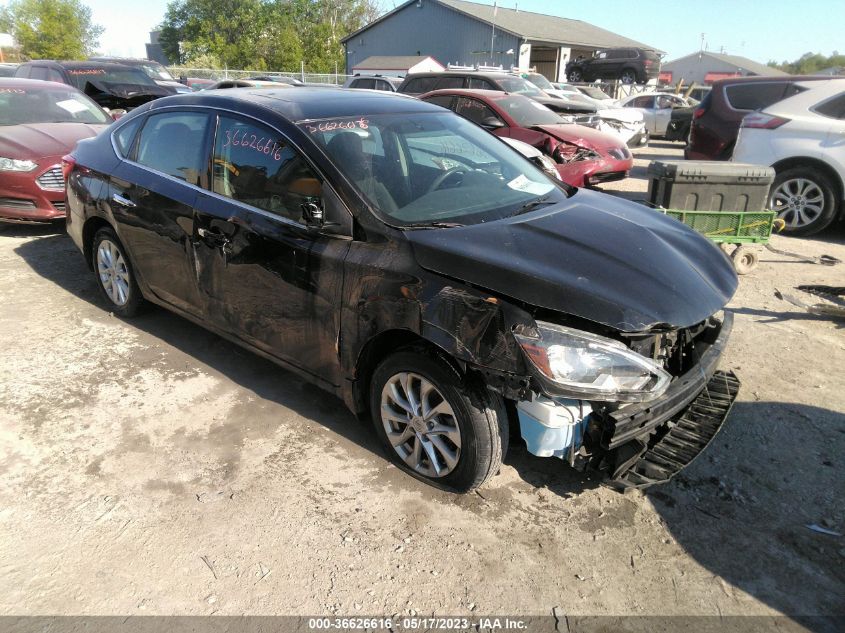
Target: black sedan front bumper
648, 443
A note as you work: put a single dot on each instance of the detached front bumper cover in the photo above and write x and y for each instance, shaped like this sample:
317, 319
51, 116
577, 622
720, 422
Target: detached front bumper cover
653, 441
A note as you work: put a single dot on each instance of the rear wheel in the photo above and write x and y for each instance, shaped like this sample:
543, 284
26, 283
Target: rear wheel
115, 276
805, 199
436, 425
628, 76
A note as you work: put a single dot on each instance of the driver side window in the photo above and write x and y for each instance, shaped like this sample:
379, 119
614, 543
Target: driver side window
476, 111
255, 165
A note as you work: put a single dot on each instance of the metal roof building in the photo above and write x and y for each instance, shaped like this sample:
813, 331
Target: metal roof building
397, 65
461, 32
705, 67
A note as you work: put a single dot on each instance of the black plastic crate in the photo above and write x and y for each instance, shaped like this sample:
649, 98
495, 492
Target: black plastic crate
709, 186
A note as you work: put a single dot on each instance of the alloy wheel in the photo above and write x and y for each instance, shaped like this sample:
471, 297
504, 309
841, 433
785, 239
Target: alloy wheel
798, 201
420, 424
628, 77
113, 272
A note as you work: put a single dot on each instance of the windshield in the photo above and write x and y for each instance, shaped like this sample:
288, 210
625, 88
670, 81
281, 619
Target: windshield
25, 105
157, 71
528, 113
540, 81
431, 168
81, 76
520, 86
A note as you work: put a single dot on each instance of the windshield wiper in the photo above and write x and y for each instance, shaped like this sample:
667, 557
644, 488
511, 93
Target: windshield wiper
434, 225
528, 206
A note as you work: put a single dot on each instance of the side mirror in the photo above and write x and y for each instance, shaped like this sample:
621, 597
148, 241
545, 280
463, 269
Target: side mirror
312, 213
492, 123
116, 114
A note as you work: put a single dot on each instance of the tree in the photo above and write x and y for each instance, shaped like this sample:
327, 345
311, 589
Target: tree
51, 29
810, 63
263, 34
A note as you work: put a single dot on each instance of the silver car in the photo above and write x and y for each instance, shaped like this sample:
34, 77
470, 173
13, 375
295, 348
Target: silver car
656, 108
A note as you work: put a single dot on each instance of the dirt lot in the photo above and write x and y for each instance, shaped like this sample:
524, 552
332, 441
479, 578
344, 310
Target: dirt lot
149, 467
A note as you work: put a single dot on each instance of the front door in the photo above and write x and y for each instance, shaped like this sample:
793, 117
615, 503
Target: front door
267, 277
152, 196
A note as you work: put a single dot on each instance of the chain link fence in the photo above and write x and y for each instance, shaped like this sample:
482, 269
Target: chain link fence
217, 74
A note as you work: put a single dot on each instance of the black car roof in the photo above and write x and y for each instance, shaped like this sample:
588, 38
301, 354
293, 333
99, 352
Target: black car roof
303, 103
77, 64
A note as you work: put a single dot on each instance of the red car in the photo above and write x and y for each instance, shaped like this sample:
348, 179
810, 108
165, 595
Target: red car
584, 156
716, 120
40, 121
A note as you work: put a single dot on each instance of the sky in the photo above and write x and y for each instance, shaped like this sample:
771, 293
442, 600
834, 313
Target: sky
775, 29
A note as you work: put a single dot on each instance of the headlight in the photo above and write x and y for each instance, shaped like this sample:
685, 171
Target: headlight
590, 367
13, 164
549, 166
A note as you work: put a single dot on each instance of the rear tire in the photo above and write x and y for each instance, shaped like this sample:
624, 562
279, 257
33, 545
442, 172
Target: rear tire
628, 76
805, 199
115, 275
435, 424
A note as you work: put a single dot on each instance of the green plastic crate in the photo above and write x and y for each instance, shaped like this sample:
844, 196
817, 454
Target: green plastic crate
730, 227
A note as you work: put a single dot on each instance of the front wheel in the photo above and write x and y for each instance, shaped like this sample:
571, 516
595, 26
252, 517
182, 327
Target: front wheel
435, 424
805, 199
575, 75
115, 276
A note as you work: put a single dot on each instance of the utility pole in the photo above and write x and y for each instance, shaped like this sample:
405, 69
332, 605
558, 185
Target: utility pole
493, 33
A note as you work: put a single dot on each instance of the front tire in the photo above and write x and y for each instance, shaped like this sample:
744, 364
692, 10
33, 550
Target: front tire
805, 199
575, 75
115, 275
435, 424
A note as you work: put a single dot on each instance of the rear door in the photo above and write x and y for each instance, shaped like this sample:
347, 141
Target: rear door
267, 277
152, 196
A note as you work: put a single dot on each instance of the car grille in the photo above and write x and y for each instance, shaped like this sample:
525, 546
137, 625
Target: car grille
16, 203
59, 206
52, 179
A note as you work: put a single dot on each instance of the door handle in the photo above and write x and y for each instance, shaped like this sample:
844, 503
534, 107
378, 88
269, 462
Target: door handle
124, 202
213, 238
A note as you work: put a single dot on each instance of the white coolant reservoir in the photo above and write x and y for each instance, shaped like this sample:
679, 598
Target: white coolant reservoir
553, 427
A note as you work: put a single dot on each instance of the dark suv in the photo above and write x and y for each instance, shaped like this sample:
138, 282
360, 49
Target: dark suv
629, 65
113, 86
152, 69
421, 83
716, 120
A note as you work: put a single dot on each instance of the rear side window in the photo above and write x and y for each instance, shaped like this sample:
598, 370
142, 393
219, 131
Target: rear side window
420, 85
173, 143
38, 72
443, 101
255, 165
367, 84
450, 83
125, 136
383, 85
833, 108
755, 95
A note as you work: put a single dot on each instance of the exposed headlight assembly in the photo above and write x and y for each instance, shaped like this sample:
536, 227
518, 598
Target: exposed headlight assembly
589, 367
13, 164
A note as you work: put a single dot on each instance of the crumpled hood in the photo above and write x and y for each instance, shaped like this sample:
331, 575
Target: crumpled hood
627, 115
33, 141
596, 257
581, 135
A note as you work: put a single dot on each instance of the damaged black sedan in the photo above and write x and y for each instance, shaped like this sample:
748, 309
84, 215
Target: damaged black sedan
408, 261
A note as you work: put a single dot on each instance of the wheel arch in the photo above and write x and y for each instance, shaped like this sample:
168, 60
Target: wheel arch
379, 347
89, 230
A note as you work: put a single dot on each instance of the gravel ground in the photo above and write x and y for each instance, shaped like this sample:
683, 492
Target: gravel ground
149, 467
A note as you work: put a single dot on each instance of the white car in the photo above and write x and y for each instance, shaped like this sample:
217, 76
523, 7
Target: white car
625, 124
803, 138
656, 108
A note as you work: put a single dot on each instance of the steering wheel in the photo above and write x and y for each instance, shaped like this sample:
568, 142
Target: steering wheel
439, 180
